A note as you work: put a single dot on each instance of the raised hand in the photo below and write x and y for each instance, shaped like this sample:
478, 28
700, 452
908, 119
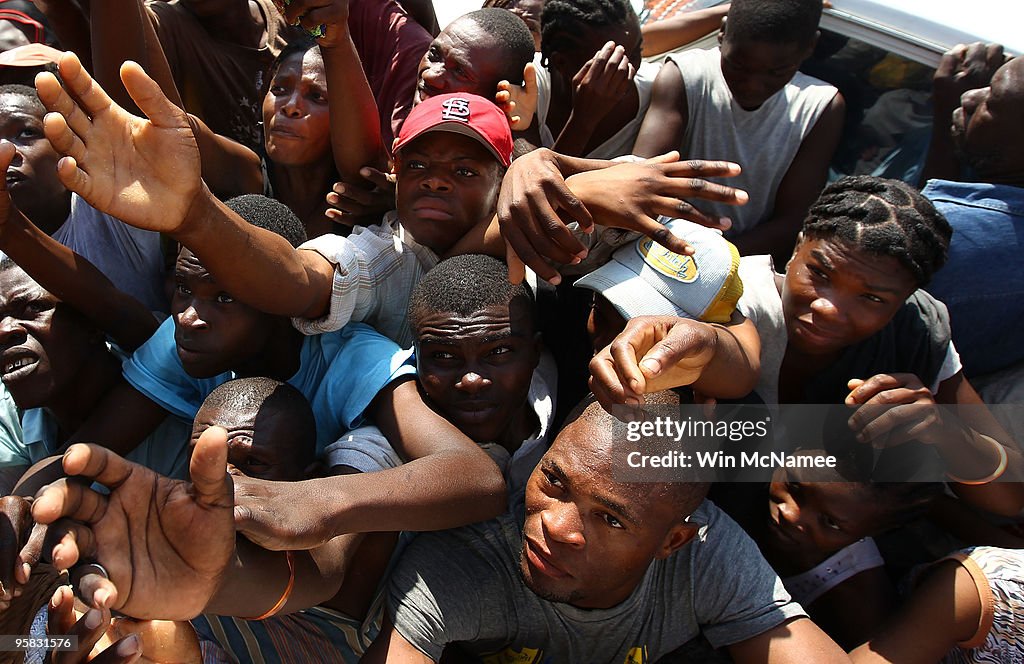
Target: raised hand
653, 353
327, 20
144, 171
353, 204
602, 81
962, 68
164, 543
519, 102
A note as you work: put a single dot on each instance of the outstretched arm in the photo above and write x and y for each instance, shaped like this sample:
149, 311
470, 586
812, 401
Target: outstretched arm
70, 277
146, 172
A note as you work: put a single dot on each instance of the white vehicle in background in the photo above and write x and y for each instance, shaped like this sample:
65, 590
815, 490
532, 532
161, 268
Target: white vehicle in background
881, 54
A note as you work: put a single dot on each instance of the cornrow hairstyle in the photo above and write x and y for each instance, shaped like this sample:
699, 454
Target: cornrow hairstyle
464, 285
883, 217
562, 20
28, 93
511, 33
774, 21
269, 214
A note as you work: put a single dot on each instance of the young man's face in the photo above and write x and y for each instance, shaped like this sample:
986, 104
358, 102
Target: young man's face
32, 177
259, 444
477, 369
462, 58
756, 70
43, 343
296, 121
446, 184
835, 296
213, 332
587, 539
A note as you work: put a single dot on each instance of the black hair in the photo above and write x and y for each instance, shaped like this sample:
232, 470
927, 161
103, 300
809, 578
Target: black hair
562, 21
774, 21
269, 214
258, 393
883, 217
27, 92
687, 491
511, 33
466, 284
296, 45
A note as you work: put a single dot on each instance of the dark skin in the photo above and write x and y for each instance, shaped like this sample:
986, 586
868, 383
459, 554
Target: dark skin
592, 92
754, 71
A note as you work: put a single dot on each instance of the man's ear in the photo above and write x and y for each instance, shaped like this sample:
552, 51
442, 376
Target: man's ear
721, 30
813, 45
676, 538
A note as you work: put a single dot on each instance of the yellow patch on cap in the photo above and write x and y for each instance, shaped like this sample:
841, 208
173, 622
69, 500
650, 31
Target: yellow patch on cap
672, 265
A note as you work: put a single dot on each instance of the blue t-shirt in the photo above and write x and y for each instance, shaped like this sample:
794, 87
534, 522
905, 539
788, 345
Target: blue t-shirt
339, 373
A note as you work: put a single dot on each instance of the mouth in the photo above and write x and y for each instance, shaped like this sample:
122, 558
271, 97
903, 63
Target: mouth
17, 367
432, 209
14, 177
283, 132
541, 561
190, 356
815, 333
474, 412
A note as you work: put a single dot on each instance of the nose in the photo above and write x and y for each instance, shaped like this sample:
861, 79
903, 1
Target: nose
562, 523
11, 332
434, 77
435, 181
191, 319
825, 307
472, 382
791, 515
292, 106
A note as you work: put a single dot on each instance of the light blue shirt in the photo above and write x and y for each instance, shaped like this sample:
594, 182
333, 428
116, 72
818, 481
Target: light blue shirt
340, 373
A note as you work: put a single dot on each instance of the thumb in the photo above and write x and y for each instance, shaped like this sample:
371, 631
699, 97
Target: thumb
150, 99
516, 267
378, 178
208, 468
666, 158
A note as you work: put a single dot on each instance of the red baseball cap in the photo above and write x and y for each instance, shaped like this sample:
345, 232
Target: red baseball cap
460, 113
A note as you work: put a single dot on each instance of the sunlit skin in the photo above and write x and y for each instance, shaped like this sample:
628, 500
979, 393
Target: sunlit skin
296, 120
476, 370
986, 128
446, 184
835, 296
259, 444
587, 539
32, 176
44, 344
213, 332
756, 70
462, 58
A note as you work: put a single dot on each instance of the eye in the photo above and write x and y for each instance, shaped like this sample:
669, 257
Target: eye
871, 297
224, 298
30, 132
37, 307
414, 165
441, 355
612, 521
830, 523
552, 480
501, 350
433, 53
180, 289
319, 97
464, 172
817, 272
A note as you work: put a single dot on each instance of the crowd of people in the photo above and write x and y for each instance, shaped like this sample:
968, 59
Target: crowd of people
320, 325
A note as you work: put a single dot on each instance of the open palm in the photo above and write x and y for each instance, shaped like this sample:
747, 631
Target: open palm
145, 172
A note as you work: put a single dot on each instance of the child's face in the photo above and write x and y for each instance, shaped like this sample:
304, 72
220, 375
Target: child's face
213, 332
446, 184
258, 443
756, 70
477, 369
819, 516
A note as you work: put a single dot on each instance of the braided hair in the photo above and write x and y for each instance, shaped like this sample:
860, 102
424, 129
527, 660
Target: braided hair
883, 217
562, 19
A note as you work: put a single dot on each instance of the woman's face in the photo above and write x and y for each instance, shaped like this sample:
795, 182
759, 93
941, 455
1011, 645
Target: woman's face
835, 296
296, 123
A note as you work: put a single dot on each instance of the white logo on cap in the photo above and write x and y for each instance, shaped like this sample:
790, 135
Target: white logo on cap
455, 109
